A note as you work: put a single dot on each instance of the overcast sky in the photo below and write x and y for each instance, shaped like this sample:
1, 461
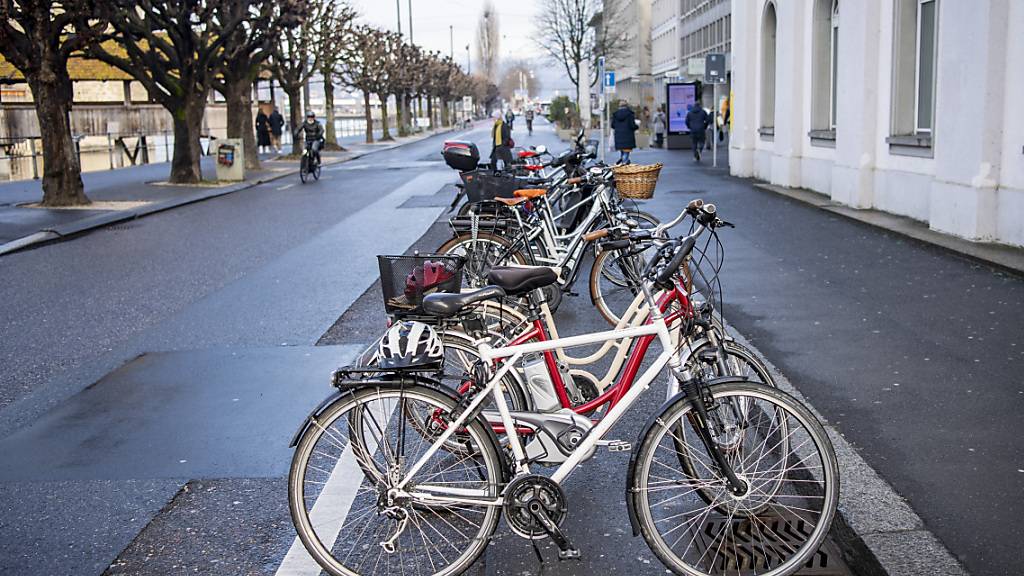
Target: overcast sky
430, 27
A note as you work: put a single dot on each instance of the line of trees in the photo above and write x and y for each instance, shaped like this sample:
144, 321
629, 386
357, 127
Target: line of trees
180, 51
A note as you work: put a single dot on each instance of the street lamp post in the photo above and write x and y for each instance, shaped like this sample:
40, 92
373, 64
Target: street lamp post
410, 21
398, 15
451, 41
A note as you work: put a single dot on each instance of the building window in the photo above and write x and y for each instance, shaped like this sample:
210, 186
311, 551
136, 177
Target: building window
824, 70
834, 61
768, 35
915, 42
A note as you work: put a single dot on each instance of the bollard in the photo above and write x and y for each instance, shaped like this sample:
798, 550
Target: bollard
110, 149
167, 148
32, 151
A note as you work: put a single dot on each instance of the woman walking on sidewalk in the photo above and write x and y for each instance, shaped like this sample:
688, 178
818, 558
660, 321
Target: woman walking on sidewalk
624, 125
658, 126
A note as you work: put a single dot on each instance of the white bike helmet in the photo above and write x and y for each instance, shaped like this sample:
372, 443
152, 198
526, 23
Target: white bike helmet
409, 345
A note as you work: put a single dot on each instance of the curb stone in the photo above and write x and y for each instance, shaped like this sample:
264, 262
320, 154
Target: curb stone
876, 529
62, 231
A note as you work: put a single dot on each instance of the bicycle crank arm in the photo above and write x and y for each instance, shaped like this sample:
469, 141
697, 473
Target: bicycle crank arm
566, 550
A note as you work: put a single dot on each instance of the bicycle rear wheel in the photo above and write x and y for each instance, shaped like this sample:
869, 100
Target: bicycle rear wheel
777, 449
303, 168
357, 450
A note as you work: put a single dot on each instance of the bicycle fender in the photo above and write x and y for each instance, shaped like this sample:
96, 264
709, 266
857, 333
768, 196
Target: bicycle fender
634, 521
313, 414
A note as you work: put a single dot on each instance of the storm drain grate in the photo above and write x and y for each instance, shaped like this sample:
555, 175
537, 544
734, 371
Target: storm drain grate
126, 226
744, 549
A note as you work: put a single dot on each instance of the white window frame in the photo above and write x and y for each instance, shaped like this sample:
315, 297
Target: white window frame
833, 39
917, 65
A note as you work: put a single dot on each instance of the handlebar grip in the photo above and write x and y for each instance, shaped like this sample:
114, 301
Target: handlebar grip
695, 203
595, 235
665, 277
615, 244
574, 181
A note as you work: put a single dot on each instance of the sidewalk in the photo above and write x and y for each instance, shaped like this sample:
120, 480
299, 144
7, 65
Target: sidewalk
136, 191
909, 351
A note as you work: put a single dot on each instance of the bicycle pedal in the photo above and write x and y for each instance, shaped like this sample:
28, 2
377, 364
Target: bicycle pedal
571, 553
619, 446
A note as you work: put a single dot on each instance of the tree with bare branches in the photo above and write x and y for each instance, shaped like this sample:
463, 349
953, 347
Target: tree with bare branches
38, 37
294, 58
361, 67
245, 55
335, 29
572, 32
175, 50
488, 42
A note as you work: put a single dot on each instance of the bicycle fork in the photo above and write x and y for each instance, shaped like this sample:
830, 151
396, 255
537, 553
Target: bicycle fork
699, 420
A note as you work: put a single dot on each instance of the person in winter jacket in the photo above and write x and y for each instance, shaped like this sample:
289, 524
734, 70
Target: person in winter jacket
501, 139
658, 125
624, 125
697, 124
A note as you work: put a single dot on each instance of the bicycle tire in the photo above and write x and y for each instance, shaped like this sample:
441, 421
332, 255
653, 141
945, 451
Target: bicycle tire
490, 474
747, 520
303, 168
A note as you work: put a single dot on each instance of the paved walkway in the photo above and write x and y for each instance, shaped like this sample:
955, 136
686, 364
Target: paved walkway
137, 190
915, 353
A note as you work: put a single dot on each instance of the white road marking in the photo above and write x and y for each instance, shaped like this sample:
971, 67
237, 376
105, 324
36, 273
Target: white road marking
331, 508
286, 186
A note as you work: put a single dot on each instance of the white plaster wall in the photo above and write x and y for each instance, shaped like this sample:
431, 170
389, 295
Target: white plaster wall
816, 173
1010, 196
743, 139
904, 193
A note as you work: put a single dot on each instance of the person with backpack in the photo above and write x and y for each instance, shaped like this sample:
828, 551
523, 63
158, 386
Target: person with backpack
501, 140
697, 123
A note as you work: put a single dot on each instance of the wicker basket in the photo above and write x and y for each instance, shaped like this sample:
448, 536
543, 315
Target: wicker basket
636, 181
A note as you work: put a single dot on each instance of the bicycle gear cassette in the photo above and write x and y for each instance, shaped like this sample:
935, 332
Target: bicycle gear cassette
531, 493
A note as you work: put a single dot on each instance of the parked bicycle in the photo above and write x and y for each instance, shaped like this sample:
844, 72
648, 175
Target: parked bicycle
395, 474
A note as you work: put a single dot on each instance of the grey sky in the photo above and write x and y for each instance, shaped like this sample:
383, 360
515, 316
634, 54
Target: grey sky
431, 19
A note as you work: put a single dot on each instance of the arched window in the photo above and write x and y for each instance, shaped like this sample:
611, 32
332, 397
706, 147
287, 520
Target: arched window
834, 61
824, 69
768, 35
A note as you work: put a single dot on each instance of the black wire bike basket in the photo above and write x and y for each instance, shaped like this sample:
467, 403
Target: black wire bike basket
405, 280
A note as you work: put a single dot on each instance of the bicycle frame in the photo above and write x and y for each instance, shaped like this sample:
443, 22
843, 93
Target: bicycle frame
624, 395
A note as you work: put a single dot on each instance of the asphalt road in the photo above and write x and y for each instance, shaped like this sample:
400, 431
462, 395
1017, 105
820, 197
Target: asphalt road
155, 371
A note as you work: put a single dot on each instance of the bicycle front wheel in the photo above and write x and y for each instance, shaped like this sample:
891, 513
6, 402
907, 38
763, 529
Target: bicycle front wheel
783, 458
303, 168
341, 487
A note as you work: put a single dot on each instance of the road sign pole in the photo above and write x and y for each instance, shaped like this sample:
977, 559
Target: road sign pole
603, 104
714, 125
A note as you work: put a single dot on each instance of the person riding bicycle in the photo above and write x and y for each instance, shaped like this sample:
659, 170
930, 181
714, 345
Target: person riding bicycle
314, 134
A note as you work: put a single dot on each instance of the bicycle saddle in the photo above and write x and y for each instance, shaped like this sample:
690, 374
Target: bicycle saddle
530, 192
444, 305
521, 279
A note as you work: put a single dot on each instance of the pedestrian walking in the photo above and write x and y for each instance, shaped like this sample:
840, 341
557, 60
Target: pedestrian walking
529, 120
624, 126
276, 121
658, 126
697, 124
501, 139
262, 131
510, 118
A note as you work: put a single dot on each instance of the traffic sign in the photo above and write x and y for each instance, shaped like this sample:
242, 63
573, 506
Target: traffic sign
714, 69
609, 81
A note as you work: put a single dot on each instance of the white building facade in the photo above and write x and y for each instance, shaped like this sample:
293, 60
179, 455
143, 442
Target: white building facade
682, 30
912, 107
632, 65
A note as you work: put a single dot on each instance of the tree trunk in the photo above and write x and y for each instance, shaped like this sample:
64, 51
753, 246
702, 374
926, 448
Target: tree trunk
188, 124
295, 116
62, 170
444, 114
331, 134
369, 117
384, 133
430, 112
400, 114
238, 94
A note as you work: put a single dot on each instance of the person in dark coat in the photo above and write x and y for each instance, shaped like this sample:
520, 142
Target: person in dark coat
624, 125
697, 124
276, 128
262, 131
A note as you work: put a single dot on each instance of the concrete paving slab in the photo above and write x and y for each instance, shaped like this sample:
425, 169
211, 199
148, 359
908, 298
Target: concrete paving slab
198, 414
913, 553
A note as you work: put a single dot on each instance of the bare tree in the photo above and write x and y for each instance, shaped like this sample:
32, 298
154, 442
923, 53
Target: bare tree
518, 76
175, 50
294, 58
335, 29
362, 67
245, 55
37, 38
572, 32
488, 42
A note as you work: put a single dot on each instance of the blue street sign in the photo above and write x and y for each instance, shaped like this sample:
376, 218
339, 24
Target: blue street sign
609, 79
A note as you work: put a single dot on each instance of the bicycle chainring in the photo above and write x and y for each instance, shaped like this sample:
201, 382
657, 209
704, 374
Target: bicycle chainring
534, 490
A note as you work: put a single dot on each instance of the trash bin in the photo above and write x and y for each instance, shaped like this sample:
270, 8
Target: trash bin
230, 160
